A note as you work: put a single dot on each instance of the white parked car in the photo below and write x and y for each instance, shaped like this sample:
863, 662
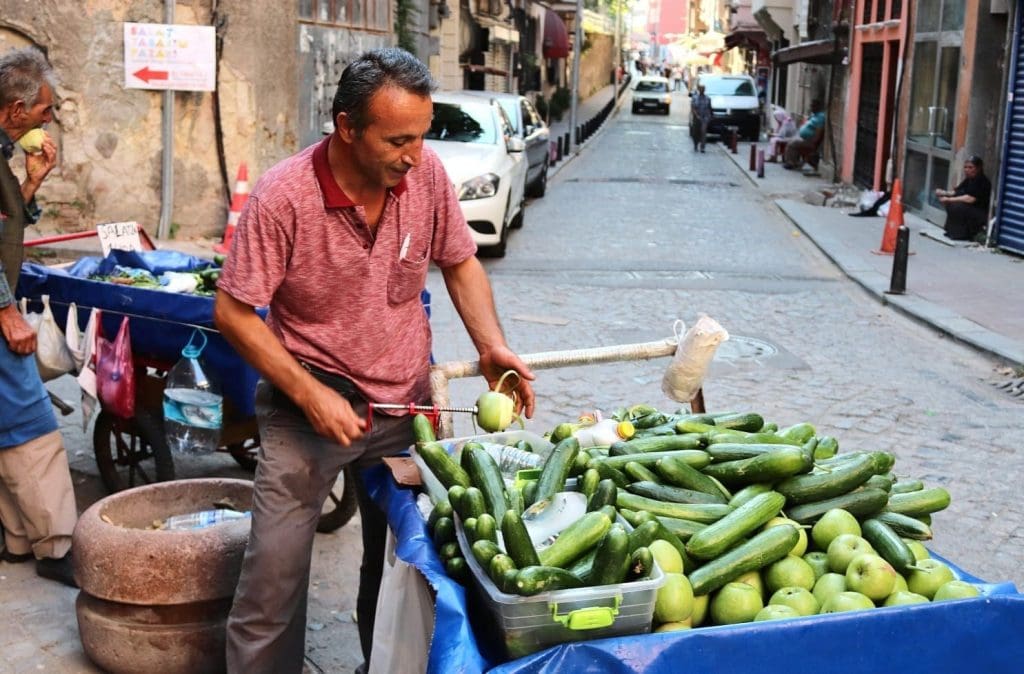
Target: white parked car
486, 162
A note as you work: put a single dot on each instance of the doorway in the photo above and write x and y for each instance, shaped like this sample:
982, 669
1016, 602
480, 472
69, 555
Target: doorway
867, 115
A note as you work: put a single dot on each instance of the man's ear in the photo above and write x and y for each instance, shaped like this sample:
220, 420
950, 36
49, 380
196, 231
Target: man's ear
343, 123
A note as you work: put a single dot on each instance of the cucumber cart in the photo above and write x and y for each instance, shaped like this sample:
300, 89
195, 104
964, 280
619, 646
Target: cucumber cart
475, 626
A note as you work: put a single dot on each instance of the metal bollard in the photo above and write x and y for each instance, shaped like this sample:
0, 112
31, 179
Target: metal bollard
734, 139
558, 150
898, 283
566, 143
760, 163
753, 156
579, 134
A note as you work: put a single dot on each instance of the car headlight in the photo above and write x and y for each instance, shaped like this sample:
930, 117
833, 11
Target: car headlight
666, 99
480, 187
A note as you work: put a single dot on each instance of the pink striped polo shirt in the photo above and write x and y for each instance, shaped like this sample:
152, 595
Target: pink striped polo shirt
340, 298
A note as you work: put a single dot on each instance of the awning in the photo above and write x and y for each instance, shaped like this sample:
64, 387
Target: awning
815, 51
556, 37
749, 38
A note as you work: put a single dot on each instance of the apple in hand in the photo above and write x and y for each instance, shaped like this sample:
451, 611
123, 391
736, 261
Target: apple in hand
833, 524
843, 549
797, 598
872, 576
846, 601
735, 603
776, 612
818, 561
828, 585
904, 598
790, 571
928, 577
956, 589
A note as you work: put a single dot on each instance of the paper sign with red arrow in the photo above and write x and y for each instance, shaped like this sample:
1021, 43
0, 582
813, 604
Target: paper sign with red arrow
145, 74
169, 57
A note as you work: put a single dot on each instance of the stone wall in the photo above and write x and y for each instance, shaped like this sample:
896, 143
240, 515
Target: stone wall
597, 64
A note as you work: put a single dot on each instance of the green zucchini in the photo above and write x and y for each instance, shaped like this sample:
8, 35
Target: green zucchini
536, 579
748, 421
906, 486
919, 503
556, 470
486, 476
749, 492
640, 473
684, 529
777, 465
906, 526
663, 492
888, 544
472, 502
423, 430
860, 504
444, 532
605, 494
705, 513
442, 466
769, 546
734, 451
716, 538
590, 480
645, 533
517, 540
682, 474
576, 539
486, 528
641, 564
456, 568
484, 551
500, 563
696, 458
611, 562
818, 486
667, 443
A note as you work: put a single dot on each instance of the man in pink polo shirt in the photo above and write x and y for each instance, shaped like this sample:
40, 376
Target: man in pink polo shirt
336, 240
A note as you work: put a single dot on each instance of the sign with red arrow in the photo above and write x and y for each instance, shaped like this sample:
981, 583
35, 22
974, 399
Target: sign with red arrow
169, 56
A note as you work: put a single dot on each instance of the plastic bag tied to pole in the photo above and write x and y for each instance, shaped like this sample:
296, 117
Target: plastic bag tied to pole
694, 353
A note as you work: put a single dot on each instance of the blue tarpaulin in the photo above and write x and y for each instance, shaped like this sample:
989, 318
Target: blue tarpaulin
967, 635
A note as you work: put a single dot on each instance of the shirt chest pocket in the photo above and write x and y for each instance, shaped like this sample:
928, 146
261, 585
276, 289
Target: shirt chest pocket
408, 277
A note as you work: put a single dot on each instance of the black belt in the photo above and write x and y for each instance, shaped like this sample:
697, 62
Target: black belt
343, 385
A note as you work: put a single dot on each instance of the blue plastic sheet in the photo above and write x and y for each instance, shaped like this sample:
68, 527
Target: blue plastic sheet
968, 635
156, 262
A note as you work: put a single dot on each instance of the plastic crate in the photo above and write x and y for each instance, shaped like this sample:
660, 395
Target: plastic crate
523, 625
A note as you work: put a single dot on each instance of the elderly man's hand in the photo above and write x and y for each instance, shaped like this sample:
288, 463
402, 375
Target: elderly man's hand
18, 334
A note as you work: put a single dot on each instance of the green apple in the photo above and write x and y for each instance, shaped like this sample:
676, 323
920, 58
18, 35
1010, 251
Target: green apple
818, 561
32, 141
833, 524
776, 612
846, 601
674, 626
872, 576
790, 571
667, 557
801, 545
797, 598
928, 577
917, 547
843, 549
700, 610
753, 579
735, 603
956, 589
901, 584
904, 598
674, 601
828, 585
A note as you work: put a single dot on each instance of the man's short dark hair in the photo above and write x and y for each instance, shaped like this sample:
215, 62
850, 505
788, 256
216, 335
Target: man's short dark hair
374, 70
23, 72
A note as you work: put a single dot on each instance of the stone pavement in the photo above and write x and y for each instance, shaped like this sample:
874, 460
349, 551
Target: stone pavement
959, 289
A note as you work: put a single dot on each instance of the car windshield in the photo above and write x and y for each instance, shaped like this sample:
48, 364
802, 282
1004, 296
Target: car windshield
728, 86
651, 85
463, 123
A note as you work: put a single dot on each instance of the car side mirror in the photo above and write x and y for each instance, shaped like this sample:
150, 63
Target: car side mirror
515, 144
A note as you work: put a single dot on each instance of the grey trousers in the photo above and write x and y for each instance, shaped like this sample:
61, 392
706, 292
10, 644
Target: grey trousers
266, 629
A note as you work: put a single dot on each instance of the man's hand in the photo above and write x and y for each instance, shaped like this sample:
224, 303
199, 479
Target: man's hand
331, 415
38, 166
496, 362
20, 337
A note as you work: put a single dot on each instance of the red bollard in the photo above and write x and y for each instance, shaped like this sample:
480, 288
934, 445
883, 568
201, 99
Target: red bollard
734, 140
753, 156
760, 163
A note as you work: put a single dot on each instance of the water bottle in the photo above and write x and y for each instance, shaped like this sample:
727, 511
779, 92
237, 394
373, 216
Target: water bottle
193, 406
203, 519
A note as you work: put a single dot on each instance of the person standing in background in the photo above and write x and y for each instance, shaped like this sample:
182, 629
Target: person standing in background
701, 117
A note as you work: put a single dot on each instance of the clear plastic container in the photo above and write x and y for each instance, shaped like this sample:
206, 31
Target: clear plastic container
203, 519
193, 405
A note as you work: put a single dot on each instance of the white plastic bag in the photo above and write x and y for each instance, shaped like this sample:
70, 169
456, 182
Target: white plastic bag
405, 617
694, 353
87, 374
73, 338
52, 355
868, 199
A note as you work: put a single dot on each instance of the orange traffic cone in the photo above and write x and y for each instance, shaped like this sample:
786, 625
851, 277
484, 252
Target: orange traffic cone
893, 221
238, 199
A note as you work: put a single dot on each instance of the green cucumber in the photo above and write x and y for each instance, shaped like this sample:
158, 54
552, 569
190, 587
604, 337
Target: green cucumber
667, 428
718, 537
449, 550
645, 533
906, 526
517, 540
486, 476
860, 504
423, 430
777, 465
879, 482
590, 480
444, 532
641, 564
748, 421
507, 583
606, 472
684, 529
798, 434
734, 451
556, 470
442, 466
663, 492
919, 503
576, 539
529, 493
682, 474
562, 431
484, 551
515, 500
611, 562
500, 563
441, 509
666, 535
457, 569
469, 526
486, 528
666, 443
705, 513
739, 437
826, 448
582, 567
696, 426
649, 420
749, 492
888, 544
818, 486
605, 494
640, 473
579, 464
906, 486
628, 515
536, 579
473, 504
696, 458
456, 493
769, 546
925, 519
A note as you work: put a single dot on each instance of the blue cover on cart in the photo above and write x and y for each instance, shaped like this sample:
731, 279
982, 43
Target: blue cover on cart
967, 635
156, 262
160, 323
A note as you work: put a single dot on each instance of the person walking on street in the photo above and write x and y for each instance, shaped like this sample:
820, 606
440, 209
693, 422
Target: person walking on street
37, 499
336, 240
701, 118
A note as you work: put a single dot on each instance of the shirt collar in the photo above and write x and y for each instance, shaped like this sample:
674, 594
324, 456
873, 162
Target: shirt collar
334, 196
6, 145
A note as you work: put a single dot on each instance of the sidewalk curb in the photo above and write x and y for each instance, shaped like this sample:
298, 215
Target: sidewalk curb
567, 159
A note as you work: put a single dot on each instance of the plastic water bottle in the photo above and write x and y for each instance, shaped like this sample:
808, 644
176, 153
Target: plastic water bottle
203, 519
193, 405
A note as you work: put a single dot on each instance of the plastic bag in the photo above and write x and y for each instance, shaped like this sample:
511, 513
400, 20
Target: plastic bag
115, 372
73, 338
52, 355
868, 199
87, 375
694, 354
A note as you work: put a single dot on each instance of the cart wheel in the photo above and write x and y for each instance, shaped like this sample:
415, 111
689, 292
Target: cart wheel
131, 452
341, 504
245, 453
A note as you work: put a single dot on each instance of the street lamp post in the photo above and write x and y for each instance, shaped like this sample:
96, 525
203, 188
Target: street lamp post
577, 55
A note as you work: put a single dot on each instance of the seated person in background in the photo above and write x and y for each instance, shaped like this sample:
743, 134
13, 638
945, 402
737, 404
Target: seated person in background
785, 131
804, 148
967, 204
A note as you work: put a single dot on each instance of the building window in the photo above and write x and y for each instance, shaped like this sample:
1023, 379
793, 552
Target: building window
366, 14
867, 11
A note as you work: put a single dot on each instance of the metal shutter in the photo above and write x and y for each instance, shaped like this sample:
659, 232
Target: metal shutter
1010, 213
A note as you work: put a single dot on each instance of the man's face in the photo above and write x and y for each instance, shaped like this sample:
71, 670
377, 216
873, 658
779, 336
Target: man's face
26, 117
392, 142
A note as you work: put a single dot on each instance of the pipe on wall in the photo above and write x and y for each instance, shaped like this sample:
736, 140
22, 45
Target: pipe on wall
167, 140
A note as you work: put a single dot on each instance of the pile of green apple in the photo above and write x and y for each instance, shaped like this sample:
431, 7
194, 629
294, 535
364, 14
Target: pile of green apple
833, 570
